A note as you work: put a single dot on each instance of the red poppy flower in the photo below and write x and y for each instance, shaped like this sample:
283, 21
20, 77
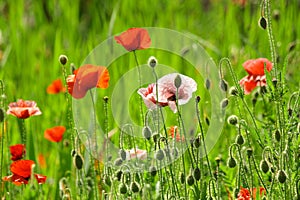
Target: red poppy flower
85, 78
244, 194
134, 39
17, 151
23, 109
175, 131
56, 87
42, 161
21, 170
256, 77
55, 134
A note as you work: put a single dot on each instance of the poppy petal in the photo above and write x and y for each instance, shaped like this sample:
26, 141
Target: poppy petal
55, 134
256, 66
56, 87
17, 151
22, 168
41, 179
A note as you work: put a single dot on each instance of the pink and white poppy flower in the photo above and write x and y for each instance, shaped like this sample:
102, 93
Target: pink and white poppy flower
167, 92
136, 153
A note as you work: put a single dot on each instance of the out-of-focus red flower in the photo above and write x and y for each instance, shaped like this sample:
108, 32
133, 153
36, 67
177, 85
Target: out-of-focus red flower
175, 131
240, 2
134, 39
55, 134
85, 78
244, 193
21, 173
42, 161
23, 109
17, 151
56, 87
256, 74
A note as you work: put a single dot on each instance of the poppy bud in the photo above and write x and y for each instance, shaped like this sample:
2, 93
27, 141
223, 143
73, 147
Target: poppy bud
123, 188
63, 59
190, 180
274, 81
177, 81
197, 174
160, 155
276, 15
239, 139
207, 120
277, 135
223, 85
224, 103
134, 187
198, 98
233, 91
197, 142
281, 176
264, 167
249, 152
292, 46
106, 98
73, 152
118, 162
231, 162
232, 120
122, 154
152, 62
1, 115
119, 174
107, 180
263, 23
153, 170
182, 178
254, 100
207, 83
78, 161
175, 152
72, 68
147, 132
290, 112
218, 160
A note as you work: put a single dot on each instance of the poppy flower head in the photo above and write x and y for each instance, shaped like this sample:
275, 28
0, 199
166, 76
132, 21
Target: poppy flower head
22, 168
55, 134
136, 153
56, 87
134, 39
23, 109
85, 78
17, 151
256, 66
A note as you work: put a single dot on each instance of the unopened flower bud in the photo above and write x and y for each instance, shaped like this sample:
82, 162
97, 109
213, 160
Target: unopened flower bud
249, 152
263, 23
72, 68
198, 98
153, 170
63, 59
122, 154
290, 112
239, 139
233, 91
78, 161
281, 176
160, 155
207, 83
274, 81
190, 180
264, 166
231, 162
1, 115
232, 120
106, 98
147, 132
197, 142
73, 152
134, 187
223, 85
118, 162
182, 178
123, 188
277, 135
224, 103
177, 81
197, 174
118, 175
152, 62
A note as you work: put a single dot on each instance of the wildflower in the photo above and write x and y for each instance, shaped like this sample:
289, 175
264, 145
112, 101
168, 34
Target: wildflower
56, 87
21, 173
175, 131
17, 151
256, 74
244, 193
134, 39
87, 77
136, 153
23, 109
42, 161
167, 92
55, 134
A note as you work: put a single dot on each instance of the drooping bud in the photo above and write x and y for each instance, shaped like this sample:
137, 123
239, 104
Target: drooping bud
281, 176
197, 142
123, 188
152, 62
231, 162
118, 175
182, 178
63, 59
177, 81
239, 139
122, 154
207, 83
263, 23
233, 91
223, 85
249, 152
147, 133
153, 170
190, 180
1, 115
264, 166
118, 162
197, 174
160, 155
134, 187
277, 135
78, 161
224, 103
232, 120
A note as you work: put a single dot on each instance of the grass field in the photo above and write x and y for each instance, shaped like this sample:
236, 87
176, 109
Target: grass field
261, 150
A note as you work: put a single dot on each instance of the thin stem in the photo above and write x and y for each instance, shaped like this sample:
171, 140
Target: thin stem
140, 85
23, 132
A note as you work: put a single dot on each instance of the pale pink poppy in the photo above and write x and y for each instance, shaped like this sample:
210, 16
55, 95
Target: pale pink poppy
167, 92
136, 153
23, 109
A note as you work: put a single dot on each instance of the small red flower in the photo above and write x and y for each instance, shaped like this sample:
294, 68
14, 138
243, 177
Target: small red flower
23, 109
244, 194
17, 151
175, 131
256, 77
22, 170
55, 134
56, 87
134, 39
85, 78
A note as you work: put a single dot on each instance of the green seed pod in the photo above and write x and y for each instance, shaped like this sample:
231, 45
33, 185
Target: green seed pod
249, 152
239, 139
263, 23
122, 154
78, 161
1, 115
224, 103
152, 62
118, 175
233, 91
182, 178
134, 187
207, 84
281, 176
232, 120
264, 166
190, 180
177, 81
231, 162
197, 174
118, 162
123, 188
223, 85
63, 59
147, 133
197, 142
153, 170
160, 155
277, 135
